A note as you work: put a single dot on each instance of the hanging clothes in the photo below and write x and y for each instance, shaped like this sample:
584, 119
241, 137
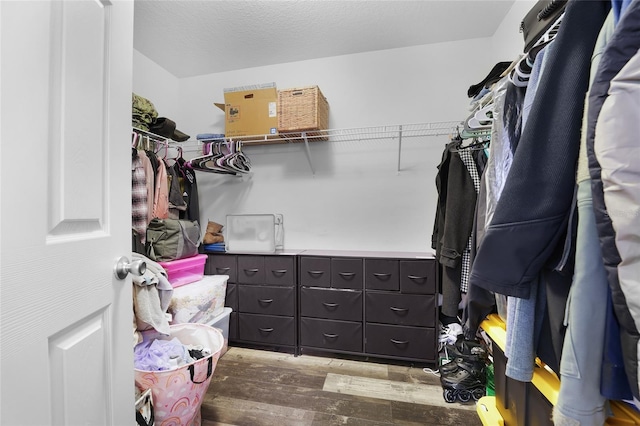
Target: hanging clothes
150, 181
161, 192
139, 204
584, 387
532, 214
189, 187
470, 163
521, 312
533, 206
177, 204
452, 227
622, 47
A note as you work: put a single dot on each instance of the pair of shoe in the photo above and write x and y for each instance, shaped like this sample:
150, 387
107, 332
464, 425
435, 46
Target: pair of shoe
449, 334
213, 233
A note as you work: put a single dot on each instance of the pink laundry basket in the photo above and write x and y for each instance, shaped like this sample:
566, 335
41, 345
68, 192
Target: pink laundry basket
178, 393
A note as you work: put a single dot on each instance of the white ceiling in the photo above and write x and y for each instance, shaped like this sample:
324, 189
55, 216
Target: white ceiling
189, 37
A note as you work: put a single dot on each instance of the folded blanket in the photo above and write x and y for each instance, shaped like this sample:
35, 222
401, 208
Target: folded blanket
209, 136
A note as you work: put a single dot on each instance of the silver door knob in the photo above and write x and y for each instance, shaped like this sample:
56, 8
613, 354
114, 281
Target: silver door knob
124, 267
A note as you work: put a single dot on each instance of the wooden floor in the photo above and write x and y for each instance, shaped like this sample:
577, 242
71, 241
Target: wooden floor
256, 387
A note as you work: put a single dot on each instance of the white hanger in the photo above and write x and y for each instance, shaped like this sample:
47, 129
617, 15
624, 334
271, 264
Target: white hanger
485, 114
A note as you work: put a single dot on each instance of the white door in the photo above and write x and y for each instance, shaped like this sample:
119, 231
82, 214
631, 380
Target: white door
65, 212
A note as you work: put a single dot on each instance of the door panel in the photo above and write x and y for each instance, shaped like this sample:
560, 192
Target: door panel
65, 202
77, 115
69, 349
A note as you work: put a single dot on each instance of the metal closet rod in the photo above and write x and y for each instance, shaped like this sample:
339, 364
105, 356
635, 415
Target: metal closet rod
183, 146
151, 135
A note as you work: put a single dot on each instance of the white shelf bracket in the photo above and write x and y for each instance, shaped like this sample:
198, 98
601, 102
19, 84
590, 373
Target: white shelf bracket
399, 145
308, 152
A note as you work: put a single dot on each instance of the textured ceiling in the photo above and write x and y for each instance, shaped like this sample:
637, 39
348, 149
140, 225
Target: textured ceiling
189, 38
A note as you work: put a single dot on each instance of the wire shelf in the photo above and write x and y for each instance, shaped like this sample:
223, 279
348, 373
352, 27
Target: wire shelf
397, 131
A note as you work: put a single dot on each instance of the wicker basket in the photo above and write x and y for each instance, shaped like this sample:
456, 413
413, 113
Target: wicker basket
303, 109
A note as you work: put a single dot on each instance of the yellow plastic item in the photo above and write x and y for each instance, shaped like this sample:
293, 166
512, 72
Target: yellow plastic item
543, 377
623, 414
488, 412
547, 382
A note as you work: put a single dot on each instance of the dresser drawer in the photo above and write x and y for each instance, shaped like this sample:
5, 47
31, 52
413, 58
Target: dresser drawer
279, 270
331, 304
231, 297
331, 334
222, 264
381, 274
266, 300
233, 326
266, 329
418, 276
315, 271
251, 269
401, 309
398, 341
346, 273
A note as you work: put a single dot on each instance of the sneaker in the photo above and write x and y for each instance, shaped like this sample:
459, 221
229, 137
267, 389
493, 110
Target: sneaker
449, 334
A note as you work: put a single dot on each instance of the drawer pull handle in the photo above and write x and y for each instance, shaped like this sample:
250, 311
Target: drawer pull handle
266, 330
265, 301
331, 305
315, 272
347, 274
381, 275
279, 272
399, 310
220, 270
251, 271
399, 342
416, 278
330, 336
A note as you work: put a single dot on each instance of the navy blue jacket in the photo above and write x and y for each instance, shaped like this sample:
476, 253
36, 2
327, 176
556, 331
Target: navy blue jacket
532, 213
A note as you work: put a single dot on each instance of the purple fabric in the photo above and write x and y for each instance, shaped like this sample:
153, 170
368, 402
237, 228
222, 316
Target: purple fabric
155, 355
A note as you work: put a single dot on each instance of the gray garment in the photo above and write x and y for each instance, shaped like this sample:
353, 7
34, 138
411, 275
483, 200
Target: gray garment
500, 155
151, 296
601, 43
617, 149
579, 400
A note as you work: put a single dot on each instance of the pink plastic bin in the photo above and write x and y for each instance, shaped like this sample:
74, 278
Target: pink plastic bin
185, 271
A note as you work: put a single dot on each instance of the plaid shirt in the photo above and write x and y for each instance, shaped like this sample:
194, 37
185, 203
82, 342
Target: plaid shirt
470, 164
139, 205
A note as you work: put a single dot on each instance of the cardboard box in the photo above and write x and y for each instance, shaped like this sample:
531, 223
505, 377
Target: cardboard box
251, 110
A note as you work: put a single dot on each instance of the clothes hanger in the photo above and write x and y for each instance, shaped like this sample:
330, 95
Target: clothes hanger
519, 76
547, 36
134, 139
480, 119
206, 163
478, 143
485, 114
233, 160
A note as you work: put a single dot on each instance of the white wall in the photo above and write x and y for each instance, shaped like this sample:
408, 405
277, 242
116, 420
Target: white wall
409, 85
357, 199
507, 41
156, 84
